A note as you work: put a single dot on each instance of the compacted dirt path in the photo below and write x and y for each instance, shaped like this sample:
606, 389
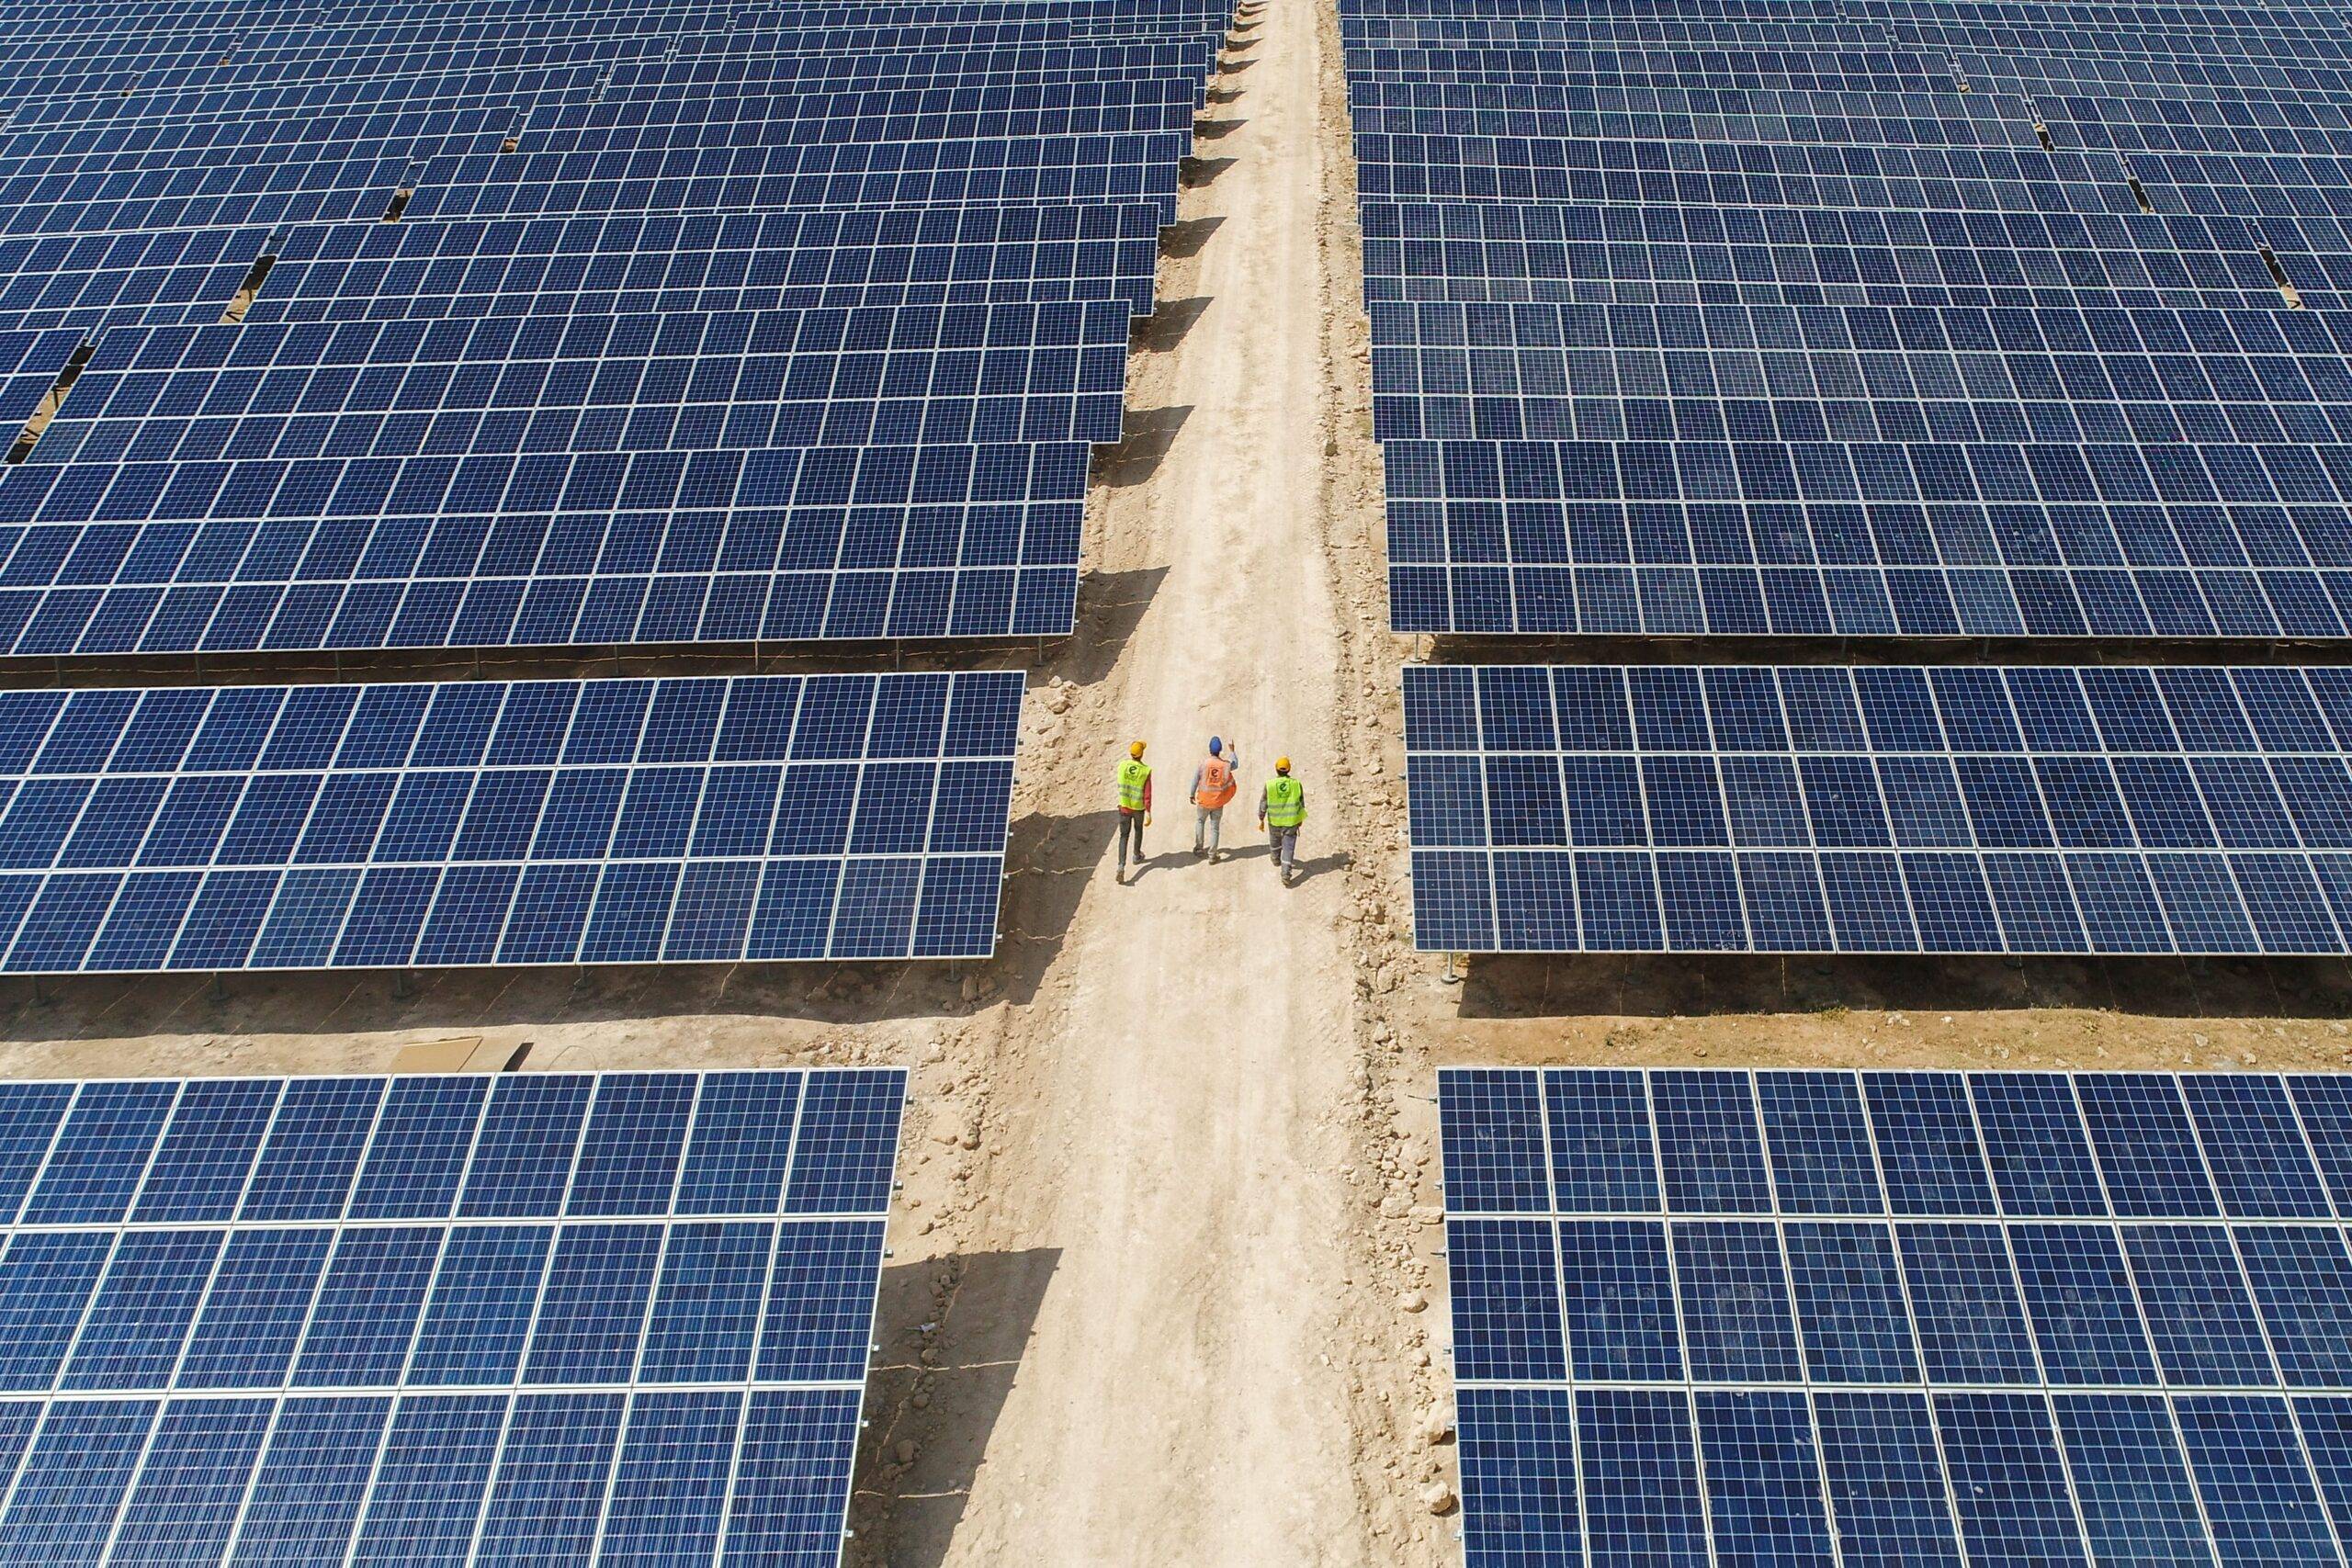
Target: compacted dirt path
1164, 1160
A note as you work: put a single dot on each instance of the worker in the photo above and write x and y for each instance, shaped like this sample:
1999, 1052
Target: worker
1135, 805
1212, 786
1281, 811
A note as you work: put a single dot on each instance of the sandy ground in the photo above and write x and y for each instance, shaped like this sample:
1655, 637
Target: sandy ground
1165, 1286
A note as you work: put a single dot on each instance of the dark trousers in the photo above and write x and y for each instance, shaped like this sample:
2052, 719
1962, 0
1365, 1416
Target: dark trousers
1285, 844
1130, 823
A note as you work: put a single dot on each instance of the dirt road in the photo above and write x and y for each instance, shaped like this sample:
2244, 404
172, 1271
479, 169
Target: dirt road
1172, 1159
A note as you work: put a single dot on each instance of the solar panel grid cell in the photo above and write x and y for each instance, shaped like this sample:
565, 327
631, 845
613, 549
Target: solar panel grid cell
2095, 1384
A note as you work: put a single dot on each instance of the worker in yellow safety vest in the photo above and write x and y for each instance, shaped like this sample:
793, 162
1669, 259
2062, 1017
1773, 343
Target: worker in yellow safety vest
1212, 786
1282, 810
1135, 805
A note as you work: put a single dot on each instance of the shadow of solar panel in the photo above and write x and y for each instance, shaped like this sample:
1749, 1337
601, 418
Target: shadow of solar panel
291, 1379
2028, 810
2087, 1369
690, 820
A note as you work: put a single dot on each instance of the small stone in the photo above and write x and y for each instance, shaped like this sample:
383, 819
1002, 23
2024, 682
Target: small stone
905, 1451
1413, 1300
949, 1131
1438, 1498
2199, 1039
920, 1402
1436, 1425
1428, 1214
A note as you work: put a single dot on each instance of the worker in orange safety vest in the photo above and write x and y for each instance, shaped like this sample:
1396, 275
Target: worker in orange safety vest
1212, 786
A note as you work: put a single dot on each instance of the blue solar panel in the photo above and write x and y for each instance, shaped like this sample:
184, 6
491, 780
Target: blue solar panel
1950, 810
1642, 168
2160, 1378
320, 1386
601, 821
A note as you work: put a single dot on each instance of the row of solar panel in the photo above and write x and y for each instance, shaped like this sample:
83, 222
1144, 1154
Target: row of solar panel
1685, 257
913, 375
2014, 1144
266, 1152
1613, 1477
894, 257
885, 59
2200, 571
739, 1477
311, 1308
340, 863
756, 718
1750, 1302
1722, 709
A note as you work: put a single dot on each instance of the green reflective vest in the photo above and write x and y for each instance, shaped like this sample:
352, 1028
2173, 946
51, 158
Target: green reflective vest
1133, 776
1285, 801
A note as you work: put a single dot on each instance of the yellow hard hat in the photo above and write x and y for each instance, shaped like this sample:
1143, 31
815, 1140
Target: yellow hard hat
1282, 764
1135, 749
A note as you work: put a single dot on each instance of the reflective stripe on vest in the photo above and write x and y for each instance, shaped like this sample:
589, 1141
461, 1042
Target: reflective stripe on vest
1285, 801
1216, 785
1132, 777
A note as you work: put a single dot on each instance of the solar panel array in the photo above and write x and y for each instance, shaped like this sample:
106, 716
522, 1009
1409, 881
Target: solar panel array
1830, 1317
675, 206
1818, 809
687, 820
1864, 318
535, 1318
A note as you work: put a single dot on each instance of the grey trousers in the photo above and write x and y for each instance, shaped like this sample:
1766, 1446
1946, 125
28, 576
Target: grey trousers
1285, 842
1130, 823
1208, 819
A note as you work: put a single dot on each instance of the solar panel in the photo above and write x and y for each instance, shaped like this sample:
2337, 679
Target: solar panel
687, 820
1584, 808
1638, 166
912, 472
1507, 253
408, 1320
764, 261
1816, 1317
